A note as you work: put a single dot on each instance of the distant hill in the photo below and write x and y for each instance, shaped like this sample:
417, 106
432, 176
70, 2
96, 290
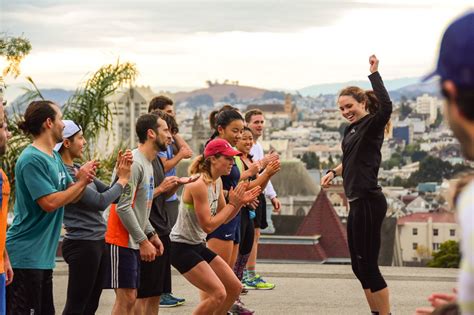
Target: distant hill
408, 87
334, 88
59, 96
221, 92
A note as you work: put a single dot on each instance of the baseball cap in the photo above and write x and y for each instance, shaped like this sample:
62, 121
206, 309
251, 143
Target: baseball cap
456, 54
220, 146
70, 129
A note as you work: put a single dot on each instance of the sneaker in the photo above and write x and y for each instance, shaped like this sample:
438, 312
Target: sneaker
180, 300
257, 283
167, 301
239, 308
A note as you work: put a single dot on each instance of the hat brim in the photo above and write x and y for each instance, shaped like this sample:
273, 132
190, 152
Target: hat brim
58, 146
231, 152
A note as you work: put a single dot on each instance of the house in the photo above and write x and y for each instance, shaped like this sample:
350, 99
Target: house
321, 237
422, 233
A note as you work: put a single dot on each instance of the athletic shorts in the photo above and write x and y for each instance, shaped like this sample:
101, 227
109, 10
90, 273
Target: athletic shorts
228, 231
155, 276
185, 257
123, 268
260, 220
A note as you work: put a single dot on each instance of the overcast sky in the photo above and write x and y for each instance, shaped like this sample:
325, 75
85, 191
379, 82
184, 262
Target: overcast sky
266, 43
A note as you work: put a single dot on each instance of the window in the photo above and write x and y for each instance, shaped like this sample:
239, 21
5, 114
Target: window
435, 232
415, 231
452, 232
435, 246
415, 246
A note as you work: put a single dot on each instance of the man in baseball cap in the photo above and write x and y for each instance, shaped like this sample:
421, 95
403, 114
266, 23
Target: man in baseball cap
70, 129
455, 68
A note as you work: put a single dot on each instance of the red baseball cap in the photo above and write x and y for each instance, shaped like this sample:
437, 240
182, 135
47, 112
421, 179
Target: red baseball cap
220, 146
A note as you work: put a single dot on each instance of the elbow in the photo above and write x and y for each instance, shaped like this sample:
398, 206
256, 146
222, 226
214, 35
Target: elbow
48, 206
207, 229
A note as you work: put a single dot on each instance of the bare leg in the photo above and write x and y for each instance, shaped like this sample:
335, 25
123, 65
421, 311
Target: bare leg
233, 257
381, 299
370, 299
204, 278
147, 306
253, 254
232, 284
221, 248
124, 301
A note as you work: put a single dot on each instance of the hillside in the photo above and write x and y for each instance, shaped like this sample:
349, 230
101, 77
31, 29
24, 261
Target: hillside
219, 92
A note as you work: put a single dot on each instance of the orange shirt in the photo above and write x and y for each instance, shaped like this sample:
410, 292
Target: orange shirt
5, 189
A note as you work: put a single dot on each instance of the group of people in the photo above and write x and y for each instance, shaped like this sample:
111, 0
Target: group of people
126, 235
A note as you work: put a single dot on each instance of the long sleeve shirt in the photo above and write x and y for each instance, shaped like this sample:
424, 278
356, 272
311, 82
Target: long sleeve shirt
258, 154
362, 143
128, 221
84, 219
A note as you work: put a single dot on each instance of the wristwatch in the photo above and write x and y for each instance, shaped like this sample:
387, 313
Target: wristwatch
333, 172
151, 234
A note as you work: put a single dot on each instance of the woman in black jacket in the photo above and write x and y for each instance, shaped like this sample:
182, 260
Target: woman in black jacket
368, 113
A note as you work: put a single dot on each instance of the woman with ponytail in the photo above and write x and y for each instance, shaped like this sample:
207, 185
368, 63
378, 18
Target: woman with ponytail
203, 208
368, 113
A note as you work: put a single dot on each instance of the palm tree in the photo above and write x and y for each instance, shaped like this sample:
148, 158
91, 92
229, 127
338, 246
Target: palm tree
88, 107
14, 49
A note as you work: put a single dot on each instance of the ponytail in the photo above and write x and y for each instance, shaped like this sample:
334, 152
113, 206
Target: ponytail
202, 166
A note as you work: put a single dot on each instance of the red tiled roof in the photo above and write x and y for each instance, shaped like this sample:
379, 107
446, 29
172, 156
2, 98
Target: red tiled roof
292, 252
437, 217
407, 199
323, 220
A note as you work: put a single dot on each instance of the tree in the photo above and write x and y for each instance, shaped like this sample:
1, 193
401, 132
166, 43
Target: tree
405, 110
14, 49
397, 181
311, 160
88, 106
448, 256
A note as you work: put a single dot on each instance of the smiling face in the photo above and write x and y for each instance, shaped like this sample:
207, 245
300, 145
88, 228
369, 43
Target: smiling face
232, 132
75, 145
245, 143
256, 124
352, 103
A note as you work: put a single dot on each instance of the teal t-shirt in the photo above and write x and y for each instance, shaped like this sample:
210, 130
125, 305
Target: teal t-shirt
33, 237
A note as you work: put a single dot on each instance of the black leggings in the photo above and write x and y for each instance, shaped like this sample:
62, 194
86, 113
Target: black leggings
87, 267
247, 233
363, 233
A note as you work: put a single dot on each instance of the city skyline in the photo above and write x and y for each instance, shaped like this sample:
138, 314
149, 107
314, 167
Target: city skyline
268, 44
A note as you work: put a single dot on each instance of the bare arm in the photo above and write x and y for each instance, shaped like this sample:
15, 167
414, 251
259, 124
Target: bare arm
51, 202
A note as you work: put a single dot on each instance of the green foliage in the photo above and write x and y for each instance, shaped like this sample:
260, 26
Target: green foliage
438, 121
433, 169
396, 160
405, 110
88, 106
311, 160
14, 49
448, 256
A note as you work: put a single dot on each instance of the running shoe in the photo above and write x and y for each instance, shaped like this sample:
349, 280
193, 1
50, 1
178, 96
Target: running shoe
180, 300
239, 308
167, 300
257, 283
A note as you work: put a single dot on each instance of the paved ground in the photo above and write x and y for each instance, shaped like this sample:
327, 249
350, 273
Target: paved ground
306, 289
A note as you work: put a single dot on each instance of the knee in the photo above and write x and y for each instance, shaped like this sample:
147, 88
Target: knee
218, 297
235, 288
